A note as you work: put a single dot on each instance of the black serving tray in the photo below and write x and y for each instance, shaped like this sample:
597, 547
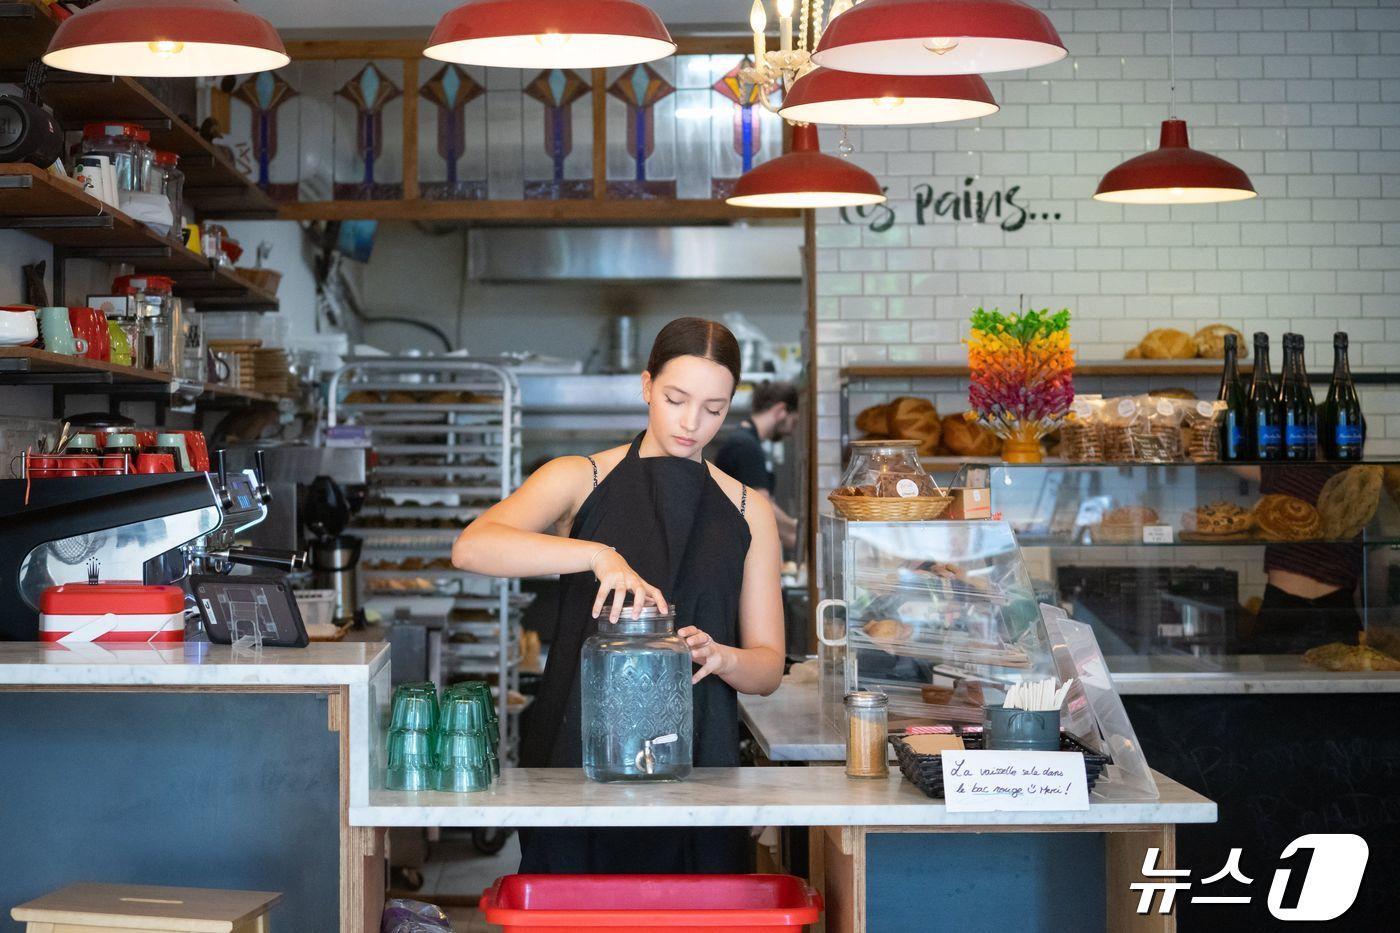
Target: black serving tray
926, 771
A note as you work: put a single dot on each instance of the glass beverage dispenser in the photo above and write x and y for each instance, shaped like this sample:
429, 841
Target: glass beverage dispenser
635, 679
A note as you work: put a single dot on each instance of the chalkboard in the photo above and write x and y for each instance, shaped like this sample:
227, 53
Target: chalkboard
1279, 767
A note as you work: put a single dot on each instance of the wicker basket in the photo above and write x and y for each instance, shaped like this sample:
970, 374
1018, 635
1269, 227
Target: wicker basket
890, 508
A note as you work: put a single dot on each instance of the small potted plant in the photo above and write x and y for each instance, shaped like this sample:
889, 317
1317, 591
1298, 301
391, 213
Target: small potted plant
1022, 377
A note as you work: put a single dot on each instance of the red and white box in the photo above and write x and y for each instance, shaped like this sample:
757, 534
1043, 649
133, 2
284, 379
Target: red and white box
112, 613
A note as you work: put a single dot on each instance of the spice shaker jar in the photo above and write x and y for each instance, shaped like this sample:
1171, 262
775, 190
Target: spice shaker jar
867, 731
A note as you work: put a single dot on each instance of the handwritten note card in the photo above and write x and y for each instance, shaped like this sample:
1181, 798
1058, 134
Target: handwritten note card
978, 781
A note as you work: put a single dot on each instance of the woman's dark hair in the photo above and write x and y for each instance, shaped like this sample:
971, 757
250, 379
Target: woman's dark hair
695, 336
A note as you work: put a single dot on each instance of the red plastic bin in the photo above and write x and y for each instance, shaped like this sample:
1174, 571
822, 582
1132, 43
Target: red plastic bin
675, 903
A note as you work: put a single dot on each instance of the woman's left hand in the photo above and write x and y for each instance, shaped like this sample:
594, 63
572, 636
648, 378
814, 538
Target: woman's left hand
712, 657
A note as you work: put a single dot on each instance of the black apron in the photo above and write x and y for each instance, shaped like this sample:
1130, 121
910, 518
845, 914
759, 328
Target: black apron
675, 526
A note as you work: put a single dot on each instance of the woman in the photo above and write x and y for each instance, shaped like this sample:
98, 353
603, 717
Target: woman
654, 521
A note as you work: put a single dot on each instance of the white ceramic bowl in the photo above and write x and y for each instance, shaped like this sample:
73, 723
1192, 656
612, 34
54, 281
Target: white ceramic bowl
18, 326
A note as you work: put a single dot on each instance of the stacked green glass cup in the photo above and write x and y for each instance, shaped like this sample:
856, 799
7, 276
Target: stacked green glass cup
451, 747
466, 745
413, 729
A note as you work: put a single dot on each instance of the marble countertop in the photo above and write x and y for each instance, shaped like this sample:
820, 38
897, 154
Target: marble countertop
789, 725
190, 664
815, 796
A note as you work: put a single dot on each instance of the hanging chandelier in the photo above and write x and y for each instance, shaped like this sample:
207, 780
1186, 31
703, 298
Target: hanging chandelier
547, 34
165, 39
1174, 173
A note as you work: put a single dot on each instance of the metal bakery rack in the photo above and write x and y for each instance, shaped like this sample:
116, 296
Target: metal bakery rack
445, 444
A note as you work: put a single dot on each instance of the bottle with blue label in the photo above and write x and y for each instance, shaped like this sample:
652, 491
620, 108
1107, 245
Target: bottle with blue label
1264, 422
1341, 425
1299, 408
1236, 416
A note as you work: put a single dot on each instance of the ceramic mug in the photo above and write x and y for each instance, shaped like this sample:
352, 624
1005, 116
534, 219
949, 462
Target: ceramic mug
155, 463
174, 441
91, 325
93, 170
58, 333
18, 326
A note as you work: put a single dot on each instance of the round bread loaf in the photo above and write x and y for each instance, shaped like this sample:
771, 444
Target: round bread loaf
1349, 500
1165, 343
968, 438
916, 419
1210, 341
874, 421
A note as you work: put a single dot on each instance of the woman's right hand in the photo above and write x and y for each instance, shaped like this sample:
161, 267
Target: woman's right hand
617, 578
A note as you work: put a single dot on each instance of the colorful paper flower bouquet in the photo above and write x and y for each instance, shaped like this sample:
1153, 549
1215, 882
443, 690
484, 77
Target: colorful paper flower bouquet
1022, 379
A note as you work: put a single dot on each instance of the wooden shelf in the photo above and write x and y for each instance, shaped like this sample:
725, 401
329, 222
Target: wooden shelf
1092, 368
580, 211
1153, 368
41, 367
59, 211
213, 186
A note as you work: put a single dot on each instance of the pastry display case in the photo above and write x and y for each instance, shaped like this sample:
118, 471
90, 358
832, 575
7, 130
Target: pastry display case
941, 616
1178, 559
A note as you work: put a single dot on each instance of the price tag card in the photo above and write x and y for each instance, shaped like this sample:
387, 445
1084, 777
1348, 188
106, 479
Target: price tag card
978, 781
1156, 534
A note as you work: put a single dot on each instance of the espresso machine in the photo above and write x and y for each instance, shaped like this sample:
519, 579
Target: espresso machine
157, 529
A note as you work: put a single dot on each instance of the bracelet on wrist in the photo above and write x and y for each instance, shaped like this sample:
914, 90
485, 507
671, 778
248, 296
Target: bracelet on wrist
596, 554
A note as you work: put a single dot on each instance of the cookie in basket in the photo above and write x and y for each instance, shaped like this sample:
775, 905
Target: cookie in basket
1349, 500
1218, 519
1286, 518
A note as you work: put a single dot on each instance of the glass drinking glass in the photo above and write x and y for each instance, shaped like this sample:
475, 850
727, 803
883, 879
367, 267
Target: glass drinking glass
412, 762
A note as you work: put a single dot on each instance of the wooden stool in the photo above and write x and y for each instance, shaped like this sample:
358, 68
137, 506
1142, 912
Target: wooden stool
132, 908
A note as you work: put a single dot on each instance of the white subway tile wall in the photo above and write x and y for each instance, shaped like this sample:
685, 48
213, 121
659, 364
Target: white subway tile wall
1304, 95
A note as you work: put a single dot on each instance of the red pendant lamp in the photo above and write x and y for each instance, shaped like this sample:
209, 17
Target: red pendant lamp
550, 34
165, 39
928, 37
855, 99
806, 177
1174, 173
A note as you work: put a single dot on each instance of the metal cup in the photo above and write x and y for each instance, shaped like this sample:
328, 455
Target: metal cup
1021, 729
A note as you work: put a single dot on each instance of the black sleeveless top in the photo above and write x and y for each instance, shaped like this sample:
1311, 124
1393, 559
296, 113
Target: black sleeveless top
675, 526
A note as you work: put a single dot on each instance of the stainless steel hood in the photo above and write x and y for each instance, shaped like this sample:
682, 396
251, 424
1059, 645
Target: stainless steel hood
636, 254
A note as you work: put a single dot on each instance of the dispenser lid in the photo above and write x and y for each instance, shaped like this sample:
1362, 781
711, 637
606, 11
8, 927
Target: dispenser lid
118, 598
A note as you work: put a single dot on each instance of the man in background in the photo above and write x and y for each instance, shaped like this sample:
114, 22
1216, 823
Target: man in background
773, 417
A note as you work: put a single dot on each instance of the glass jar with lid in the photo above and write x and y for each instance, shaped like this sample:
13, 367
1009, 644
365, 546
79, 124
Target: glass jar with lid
126, 145
885, 481
887, 470
152, 319
166, 179
635, 680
